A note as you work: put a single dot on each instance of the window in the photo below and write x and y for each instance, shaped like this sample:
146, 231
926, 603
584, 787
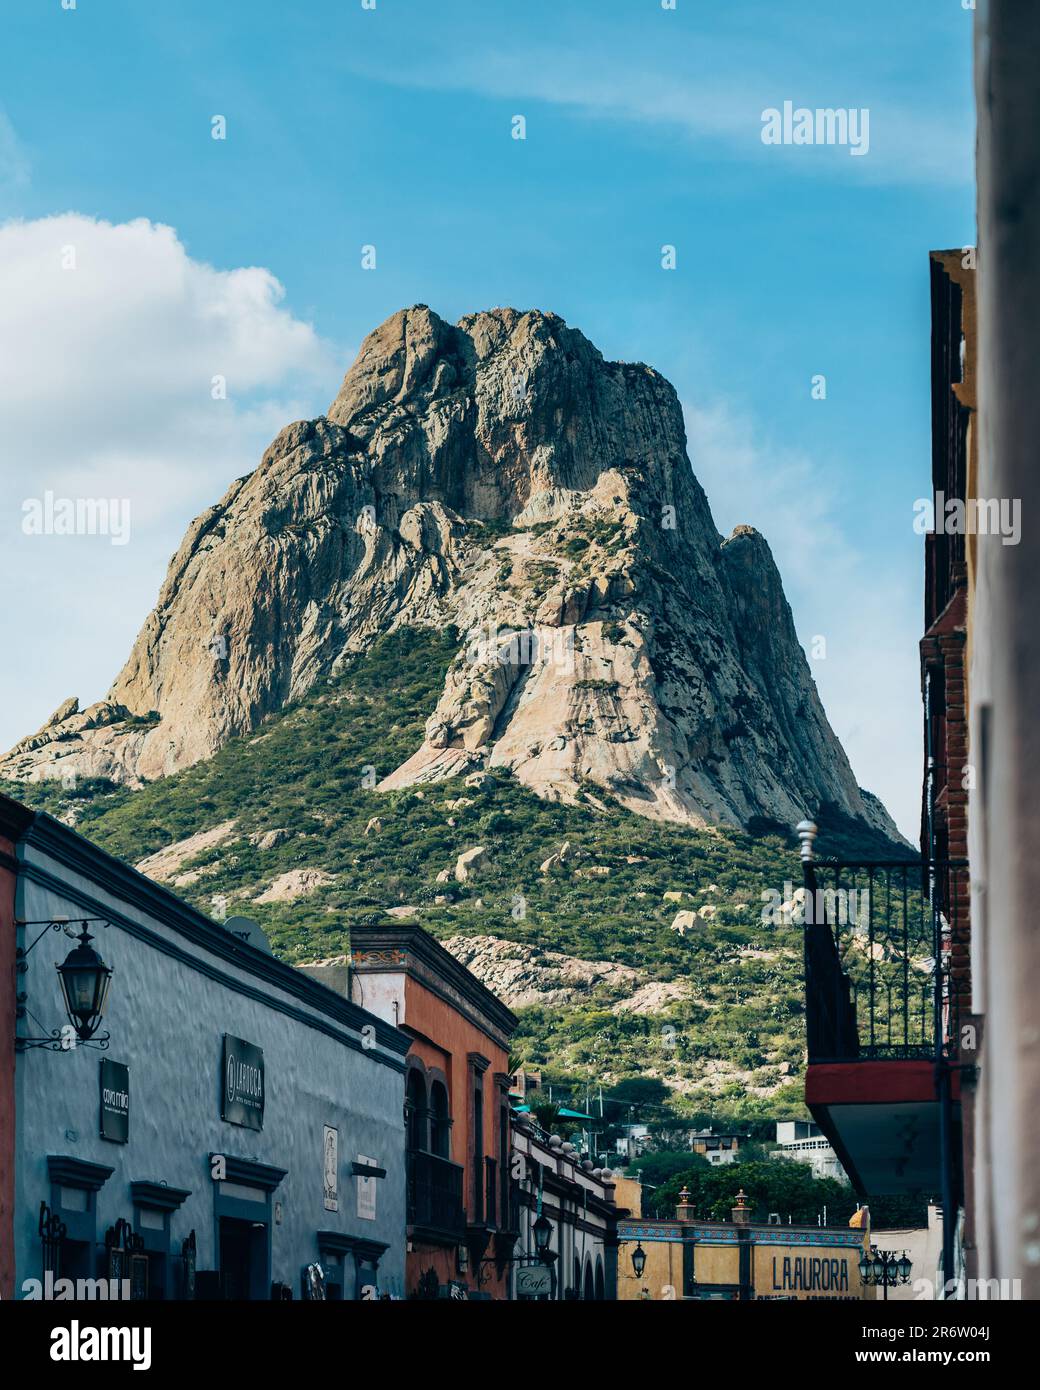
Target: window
478, 1148
68, 1227
478, 1065
491, 1190
440, 1122
505, 1220
415, 1109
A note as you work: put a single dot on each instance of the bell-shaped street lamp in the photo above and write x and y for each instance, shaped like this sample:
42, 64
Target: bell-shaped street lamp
84, 978
542, 1235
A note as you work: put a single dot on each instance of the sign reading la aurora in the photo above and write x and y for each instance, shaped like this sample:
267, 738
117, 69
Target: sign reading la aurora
115, 1101
242, 1087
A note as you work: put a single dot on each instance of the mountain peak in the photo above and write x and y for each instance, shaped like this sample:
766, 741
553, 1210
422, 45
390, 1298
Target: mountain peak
416, 353
500, 477
393, 360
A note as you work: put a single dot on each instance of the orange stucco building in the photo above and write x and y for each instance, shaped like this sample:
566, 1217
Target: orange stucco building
462, 1224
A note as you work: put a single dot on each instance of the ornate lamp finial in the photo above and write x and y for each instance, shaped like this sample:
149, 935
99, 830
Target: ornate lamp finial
807, 831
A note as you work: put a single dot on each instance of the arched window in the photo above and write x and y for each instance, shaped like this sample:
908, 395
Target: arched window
590, 1292
415, 1110
601, 1289
440, 1124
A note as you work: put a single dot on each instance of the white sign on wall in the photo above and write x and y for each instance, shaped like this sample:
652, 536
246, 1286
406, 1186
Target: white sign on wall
366, 1190
330, 1164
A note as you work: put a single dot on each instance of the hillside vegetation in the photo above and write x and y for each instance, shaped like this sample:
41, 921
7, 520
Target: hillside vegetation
727, 1035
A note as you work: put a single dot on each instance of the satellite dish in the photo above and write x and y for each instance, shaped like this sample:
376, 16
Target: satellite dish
249, 931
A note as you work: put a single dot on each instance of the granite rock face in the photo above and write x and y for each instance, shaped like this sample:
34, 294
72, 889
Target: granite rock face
522, 975
500, 476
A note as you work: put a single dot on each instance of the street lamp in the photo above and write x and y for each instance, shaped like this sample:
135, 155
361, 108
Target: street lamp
639, 1260
542, 1231
84, 978
542, 1236
885, 1269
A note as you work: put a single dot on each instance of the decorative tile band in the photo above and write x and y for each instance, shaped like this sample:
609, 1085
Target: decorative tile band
731, 1235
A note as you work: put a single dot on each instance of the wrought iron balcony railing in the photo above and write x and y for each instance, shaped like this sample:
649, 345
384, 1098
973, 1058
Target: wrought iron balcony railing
886, 958
435, 1194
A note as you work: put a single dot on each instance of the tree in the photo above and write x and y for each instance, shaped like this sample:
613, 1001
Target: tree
657, 1168
770, 1186
639, 1090
639, 1100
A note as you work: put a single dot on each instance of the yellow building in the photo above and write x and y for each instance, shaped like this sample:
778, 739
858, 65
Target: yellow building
739, 1259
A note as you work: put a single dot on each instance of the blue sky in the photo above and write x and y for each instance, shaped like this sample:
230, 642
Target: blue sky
392, 126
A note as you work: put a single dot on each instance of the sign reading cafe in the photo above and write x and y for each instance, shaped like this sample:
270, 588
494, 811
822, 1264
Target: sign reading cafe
533, 1281
242, 1083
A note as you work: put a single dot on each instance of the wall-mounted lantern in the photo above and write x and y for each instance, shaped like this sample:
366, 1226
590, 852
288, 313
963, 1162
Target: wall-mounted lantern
84, 978
542, 1236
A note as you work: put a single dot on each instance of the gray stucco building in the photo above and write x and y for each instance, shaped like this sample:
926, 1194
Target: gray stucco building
244, 1124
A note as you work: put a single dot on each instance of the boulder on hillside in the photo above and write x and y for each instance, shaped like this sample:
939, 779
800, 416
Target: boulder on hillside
297, 883
557, 858
165, 863
268, 839
470, 861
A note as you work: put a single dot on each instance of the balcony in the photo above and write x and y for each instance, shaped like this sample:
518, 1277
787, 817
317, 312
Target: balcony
435, 1208
886, 984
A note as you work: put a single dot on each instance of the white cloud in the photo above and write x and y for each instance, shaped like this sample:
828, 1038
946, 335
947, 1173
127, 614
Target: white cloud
869, 680
107, 370
112, 335
698, 93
